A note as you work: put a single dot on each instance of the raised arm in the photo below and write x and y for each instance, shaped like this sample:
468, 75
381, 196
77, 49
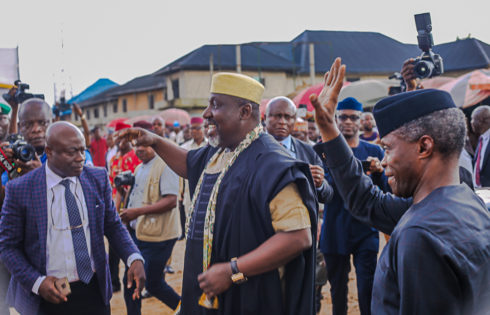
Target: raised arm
363, 199
172, 154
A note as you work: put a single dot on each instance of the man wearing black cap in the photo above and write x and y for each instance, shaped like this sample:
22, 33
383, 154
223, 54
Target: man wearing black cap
438, 258
342, 234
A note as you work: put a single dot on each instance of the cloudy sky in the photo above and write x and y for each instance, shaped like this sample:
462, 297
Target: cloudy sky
124, 39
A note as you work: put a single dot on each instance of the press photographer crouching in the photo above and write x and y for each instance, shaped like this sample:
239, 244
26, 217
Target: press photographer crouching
153, 222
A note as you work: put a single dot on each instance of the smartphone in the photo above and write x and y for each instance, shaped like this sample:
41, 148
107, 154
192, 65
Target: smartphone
366, 165
63, 286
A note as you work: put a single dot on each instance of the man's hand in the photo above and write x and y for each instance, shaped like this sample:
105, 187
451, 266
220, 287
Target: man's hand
318, 175
216, 280
326, 102
136, 273
12, 102
8, 151
48, 291
26, 167
128, 215
375, 166
409, 75
141, 136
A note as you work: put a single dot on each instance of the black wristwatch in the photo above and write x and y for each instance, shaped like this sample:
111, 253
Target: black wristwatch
237, 277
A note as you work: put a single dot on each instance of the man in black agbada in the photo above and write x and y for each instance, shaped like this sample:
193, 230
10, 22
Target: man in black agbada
438, 258
253, 213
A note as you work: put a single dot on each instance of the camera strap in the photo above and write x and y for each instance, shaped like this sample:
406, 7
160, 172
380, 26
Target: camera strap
5, 163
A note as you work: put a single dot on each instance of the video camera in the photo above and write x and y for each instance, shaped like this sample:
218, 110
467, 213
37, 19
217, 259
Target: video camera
428, 64
124, 178
20, 96
62, 108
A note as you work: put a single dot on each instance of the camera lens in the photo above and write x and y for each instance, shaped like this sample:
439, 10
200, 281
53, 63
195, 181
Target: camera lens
423, 69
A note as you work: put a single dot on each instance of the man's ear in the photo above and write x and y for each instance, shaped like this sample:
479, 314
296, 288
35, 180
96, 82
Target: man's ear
246, 111
425, 147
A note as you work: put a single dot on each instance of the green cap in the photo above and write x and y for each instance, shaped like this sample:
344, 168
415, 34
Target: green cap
5, 109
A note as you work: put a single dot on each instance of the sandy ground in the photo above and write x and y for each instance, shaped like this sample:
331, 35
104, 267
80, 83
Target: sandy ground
154, 306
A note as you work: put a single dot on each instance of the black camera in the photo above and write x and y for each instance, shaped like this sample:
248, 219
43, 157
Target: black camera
124, 178
20, 96
22, 150
428, 64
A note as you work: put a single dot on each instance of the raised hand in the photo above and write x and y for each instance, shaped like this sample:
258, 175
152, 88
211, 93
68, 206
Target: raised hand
326, 102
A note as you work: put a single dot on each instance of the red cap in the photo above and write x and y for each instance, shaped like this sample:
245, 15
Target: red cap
197, 120
121, 126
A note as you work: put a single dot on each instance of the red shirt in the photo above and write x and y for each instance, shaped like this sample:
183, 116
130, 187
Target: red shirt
127, 162
98, 148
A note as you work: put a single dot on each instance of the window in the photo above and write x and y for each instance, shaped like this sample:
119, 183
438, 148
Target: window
96, 112
114, 107
175, 88
151, 101
105, 110
88, 114
124, 105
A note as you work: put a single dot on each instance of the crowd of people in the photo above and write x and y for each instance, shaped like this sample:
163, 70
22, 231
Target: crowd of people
271, 208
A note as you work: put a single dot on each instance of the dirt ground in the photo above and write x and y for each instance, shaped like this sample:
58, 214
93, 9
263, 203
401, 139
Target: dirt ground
154, 306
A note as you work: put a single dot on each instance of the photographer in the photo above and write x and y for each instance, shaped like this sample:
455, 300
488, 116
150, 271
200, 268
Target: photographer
153, 222
34, 118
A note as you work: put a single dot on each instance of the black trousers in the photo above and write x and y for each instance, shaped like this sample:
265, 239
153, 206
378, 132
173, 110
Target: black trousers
338, 267
84, 299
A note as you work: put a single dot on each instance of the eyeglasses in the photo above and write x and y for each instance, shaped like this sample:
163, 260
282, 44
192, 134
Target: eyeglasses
30, 123
80, 208
344, 117
281, 116
196, 127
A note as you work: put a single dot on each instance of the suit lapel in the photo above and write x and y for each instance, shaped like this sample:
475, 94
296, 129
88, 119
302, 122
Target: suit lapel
485, 156
39, 206
90, 201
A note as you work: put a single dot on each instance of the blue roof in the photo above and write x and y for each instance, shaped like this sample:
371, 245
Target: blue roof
362, 52
98, 87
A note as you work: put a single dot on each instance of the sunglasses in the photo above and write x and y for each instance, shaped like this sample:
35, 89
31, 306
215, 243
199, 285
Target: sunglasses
344, 117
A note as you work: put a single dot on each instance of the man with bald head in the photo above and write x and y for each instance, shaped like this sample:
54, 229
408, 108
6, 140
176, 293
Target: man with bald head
280, 120
480, 122
52, 230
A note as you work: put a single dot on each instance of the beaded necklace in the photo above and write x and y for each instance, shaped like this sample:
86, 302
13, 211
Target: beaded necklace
211, 208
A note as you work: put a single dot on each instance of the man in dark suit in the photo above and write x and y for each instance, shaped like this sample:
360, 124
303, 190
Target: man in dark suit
52, 230
280, 119
438, 258
480, 122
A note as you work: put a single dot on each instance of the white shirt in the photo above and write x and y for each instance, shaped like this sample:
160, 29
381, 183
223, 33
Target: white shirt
60, 256
485, 138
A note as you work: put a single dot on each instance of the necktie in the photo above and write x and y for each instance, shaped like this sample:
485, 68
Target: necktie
478, 160
82, 257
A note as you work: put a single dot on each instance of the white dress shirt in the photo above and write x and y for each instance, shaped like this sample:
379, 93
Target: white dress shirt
60, 256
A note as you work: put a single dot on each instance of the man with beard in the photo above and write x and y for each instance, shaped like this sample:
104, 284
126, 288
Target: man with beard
253, 218
438, 258
343, 235
367, 123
